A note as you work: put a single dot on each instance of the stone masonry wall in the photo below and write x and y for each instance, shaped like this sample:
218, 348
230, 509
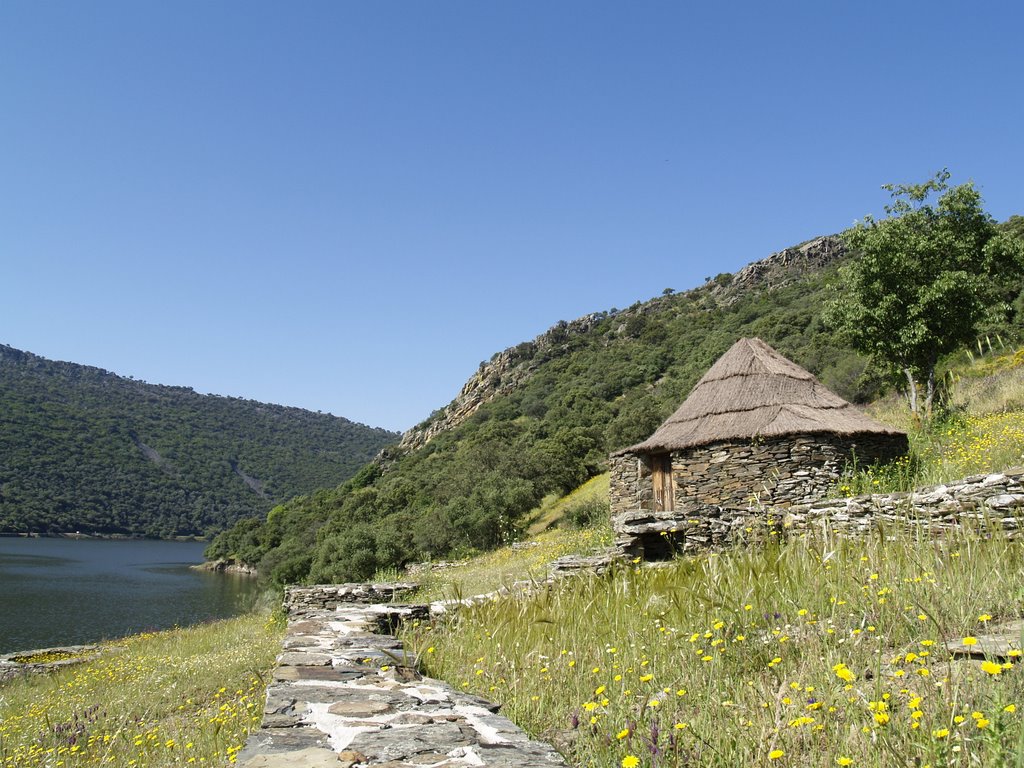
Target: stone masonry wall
347, 694
629, 485
327, 597
781, 471
980, 502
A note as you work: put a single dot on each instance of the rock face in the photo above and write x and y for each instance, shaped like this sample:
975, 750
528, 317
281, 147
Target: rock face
977, 503
345, 695
503, 373
781, 268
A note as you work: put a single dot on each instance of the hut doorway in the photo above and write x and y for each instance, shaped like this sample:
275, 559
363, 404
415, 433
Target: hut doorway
661, 476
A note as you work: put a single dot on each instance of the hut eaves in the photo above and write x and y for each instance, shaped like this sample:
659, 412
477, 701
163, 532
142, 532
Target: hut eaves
752, 391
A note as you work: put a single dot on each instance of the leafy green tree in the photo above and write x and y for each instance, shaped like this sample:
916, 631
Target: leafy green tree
925, 278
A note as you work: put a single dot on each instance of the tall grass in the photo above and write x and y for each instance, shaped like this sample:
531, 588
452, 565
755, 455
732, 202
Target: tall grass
504, 567
180, 698
952, 448
809, 652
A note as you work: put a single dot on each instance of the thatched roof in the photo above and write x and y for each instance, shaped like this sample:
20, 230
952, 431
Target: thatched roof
753, 391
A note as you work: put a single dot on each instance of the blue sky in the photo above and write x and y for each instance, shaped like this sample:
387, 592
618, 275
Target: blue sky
347, 206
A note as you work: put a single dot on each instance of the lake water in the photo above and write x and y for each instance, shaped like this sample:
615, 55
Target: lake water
73, 591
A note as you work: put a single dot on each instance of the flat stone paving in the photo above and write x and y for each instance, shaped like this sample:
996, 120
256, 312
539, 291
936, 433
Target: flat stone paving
344, 696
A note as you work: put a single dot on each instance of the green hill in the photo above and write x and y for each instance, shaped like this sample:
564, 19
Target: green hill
541, 418
82, 449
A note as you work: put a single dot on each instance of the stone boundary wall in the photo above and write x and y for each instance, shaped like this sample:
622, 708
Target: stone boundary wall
346, 694
979, 501
327, 597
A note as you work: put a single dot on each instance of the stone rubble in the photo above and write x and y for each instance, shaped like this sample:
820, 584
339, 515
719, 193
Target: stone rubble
46, 659
346, 694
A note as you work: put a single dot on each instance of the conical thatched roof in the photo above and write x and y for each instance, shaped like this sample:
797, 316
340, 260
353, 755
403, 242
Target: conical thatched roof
753, 391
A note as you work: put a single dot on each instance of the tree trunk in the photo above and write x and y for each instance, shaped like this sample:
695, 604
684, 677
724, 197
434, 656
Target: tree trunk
911, 391
929, 398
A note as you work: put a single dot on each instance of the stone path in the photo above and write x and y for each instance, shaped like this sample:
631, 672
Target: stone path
344, 694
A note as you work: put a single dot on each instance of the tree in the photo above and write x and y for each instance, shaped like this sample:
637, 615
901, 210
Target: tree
923, 280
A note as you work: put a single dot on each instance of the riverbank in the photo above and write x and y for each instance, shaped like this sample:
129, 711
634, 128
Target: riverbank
228, 567
199, 691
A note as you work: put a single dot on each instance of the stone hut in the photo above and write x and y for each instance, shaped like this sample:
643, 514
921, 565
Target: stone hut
756, 431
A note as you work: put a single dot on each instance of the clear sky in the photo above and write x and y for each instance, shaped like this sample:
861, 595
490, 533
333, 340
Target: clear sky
347, 206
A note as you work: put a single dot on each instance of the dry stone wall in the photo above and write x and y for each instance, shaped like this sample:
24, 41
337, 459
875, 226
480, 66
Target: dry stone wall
347, 694
781, 472
327, 597
980, 502
784, 471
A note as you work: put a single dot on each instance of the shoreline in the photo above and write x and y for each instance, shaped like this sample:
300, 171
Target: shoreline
98, 536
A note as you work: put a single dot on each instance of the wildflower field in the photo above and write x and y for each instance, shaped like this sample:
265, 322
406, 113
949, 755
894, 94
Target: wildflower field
807, 653
952, 449
180, 698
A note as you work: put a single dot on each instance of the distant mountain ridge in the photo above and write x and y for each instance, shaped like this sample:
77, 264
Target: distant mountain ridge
83, 449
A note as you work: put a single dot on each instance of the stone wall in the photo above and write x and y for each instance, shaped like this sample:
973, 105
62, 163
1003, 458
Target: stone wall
980, 502
778, 472
629, 483
345, 694
327, 597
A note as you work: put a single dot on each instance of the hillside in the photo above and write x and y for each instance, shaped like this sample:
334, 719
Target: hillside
541, 417
82, 449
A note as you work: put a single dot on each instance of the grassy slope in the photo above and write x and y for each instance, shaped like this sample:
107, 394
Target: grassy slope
816, 652
180, 698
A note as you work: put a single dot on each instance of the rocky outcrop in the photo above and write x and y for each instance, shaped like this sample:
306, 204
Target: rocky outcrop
508, 370
47, 659
227, 566
779, 269
503, 373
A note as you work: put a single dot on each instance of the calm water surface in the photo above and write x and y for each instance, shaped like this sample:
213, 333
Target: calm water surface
69, 591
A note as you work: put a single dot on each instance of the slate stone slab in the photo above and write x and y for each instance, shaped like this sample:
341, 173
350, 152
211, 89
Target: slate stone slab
320, 673
405, 742
274, 740
994, 645
313, 757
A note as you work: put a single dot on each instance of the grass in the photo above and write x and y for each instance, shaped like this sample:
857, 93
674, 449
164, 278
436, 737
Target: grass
184, 697
814, 652
504, 567
554, 509
981, 432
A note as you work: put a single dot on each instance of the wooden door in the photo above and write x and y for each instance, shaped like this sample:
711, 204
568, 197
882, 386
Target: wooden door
661, 477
